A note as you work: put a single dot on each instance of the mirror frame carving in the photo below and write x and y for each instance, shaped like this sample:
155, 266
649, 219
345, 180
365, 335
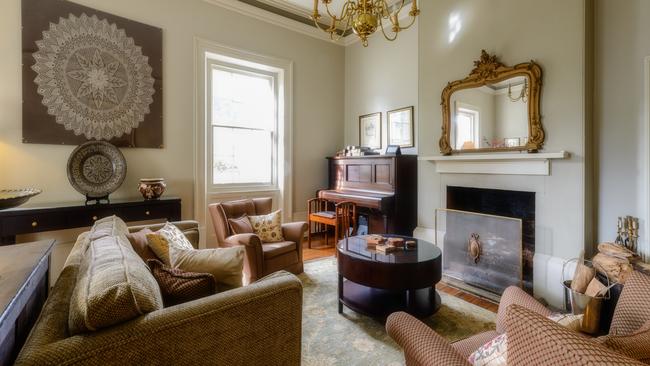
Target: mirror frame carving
490, 70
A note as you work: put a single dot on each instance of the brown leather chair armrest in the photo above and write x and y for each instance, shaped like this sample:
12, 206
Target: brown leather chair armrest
422, 345
516, 296
294, 231
254, 263
534, 339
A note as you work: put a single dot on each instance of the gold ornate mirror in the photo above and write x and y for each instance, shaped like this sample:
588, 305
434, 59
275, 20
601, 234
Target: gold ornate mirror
495, 108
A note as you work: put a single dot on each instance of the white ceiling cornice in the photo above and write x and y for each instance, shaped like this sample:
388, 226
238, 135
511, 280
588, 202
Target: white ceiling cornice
268, 17
284, 22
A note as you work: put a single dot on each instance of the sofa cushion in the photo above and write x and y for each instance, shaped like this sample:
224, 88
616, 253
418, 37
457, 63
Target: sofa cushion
108, 226
113, 285
139, 243
636, 345
268, 227
224, 264
178, 286
241, 225
161, 240
272, 250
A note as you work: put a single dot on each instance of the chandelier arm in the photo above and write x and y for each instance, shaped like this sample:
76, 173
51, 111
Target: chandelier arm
410, 24
381, 25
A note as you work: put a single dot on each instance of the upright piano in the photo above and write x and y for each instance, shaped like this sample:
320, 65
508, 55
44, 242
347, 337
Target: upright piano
383, 187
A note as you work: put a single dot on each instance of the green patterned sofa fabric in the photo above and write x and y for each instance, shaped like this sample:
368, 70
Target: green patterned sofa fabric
259, 324
108, 226
113, 286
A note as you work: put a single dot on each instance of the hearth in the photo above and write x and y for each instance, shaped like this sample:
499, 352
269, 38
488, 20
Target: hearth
488, 239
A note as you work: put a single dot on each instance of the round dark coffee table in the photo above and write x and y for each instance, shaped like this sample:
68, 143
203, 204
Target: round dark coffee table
377, 285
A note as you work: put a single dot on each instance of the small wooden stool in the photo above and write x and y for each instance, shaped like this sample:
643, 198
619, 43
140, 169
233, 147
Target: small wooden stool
344, 214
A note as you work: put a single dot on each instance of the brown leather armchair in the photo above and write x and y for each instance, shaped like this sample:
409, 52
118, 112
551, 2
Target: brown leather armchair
261, 258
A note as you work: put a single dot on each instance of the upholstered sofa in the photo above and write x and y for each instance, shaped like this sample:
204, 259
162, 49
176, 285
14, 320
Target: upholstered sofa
261, 258
251, 325
533, 339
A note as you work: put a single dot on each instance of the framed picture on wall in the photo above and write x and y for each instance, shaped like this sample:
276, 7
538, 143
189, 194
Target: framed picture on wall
370, 130
401, 131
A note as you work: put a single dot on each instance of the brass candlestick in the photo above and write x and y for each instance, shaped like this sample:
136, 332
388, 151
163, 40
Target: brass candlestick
627, 230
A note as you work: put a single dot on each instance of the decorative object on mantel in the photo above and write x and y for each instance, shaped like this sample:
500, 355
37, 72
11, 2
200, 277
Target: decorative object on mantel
152, 188
489, 77
393, 150
89, 75
401, 129
10, 198
363, 17
96, 169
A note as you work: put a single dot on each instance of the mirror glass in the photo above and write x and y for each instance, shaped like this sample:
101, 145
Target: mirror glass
493, 116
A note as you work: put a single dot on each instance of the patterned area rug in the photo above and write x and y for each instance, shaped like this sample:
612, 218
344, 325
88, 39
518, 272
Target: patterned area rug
330, 339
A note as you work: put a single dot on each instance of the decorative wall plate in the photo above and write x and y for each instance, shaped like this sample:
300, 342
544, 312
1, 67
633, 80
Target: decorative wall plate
15, 197
96, 169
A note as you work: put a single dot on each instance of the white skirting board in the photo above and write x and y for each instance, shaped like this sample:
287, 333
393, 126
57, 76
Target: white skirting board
547, 272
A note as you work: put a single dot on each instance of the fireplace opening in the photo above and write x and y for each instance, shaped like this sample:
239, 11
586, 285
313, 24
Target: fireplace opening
502, 247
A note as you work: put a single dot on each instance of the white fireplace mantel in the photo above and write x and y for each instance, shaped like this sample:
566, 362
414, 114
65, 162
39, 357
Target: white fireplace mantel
496, 163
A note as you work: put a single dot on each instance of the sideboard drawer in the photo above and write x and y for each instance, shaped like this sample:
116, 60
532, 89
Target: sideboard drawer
32, 223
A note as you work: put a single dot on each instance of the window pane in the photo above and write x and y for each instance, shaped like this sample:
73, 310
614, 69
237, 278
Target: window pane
242, 99
242, 156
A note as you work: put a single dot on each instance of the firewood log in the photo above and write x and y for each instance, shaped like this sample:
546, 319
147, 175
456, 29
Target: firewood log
583, 276
615, 250
595, 288
616, 269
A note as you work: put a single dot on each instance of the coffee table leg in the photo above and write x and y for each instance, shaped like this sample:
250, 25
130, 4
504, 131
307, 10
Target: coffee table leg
340, 294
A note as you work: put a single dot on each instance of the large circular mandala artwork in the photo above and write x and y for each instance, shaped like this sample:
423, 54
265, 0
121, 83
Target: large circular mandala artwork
93, 78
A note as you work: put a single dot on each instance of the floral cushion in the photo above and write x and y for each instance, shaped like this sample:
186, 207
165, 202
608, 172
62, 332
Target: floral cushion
495, 352
268, 227
161, 240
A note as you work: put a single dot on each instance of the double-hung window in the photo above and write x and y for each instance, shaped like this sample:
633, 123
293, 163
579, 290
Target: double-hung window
243, 117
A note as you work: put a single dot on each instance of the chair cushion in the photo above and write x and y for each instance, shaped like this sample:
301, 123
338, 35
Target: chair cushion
272, 250
226, 265
325, 214
632, 310
138, 241
178, 286
268, 227
113, 286
241, 225
234, 209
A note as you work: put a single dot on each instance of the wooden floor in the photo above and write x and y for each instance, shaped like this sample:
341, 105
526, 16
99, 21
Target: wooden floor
319, 250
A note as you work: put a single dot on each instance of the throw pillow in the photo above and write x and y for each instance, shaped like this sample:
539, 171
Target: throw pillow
178, 286
225, 264
113, 286
168, 236
635, 345
241, 225
495, 352
138, 241
268, 227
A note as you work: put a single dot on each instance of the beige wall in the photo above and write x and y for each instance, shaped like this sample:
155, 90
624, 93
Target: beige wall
620, 105
318, 100
380, 78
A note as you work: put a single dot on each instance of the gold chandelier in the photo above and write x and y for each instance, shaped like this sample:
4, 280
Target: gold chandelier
363, 17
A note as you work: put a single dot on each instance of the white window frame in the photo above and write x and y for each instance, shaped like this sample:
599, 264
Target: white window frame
206, 50
211, 65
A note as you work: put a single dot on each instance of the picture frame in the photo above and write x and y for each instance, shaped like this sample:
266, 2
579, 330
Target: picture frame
370, 130
401, 127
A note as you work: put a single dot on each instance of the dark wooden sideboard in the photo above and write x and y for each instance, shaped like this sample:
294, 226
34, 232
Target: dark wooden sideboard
26, 220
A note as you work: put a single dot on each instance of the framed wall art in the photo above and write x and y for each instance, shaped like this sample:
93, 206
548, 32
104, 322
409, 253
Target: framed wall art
370, 130
89, 75
401, 131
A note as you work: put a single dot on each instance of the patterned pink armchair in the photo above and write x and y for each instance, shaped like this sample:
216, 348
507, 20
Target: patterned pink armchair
535, 340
